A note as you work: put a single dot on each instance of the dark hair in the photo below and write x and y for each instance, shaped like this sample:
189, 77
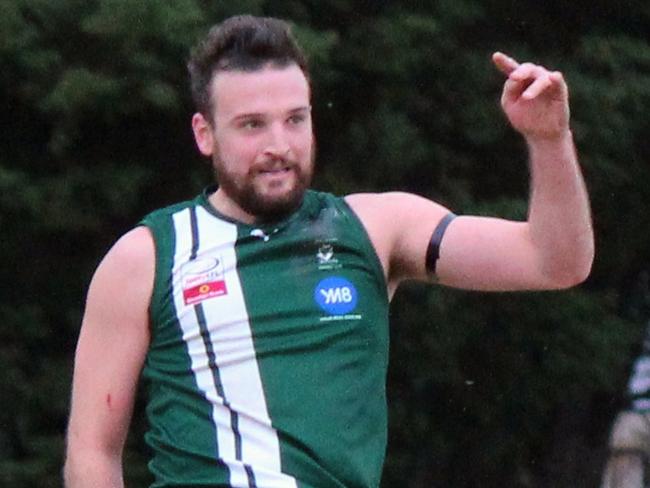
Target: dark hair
241, 43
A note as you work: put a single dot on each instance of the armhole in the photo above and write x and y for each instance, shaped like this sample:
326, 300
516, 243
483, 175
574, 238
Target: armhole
369, 248
433, 250
161, 249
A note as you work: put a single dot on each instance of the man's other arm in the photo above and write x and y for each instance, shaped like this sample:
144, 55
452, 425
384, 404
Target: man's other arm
112, 345
553, 249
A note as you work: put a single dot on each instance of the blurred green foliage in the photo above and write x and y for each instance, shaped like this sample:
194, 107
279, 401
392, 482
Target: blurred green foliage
485, 390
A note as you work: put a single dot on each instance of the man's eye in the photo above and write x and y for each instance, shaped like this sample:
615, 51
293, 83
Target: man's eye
296, 119
252, 124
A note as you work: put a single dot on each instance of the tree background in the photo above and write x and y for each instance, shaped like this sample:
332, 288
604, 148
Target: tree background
485, 390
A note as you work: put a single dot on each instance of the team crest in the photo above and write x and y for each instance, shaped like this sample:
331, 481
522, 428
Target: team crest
202, 279
325, 253
325, 256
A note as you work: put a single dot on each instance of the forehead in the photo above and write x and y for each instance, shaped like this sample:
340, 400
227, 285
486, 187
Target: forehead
268, 90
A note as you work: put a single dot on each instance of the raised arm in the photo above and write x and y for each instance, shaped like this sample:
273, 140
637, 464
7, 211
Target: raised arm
112, 346
552, 249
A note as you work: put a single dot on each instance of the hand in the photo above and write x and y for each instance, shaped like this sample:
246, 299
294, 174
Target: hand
535, 100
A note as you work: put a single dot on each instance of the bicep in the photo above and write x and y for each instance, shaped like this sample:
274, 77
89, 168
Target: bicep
112, 344
475, 253
482, 253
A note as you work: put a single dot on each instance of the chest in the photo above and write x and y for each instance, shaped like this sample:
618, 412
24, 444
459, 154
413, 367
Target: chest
301, 286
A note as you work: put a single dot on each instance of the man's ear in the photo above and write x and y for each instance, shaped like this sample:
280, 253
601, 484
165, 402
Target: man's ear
203, 134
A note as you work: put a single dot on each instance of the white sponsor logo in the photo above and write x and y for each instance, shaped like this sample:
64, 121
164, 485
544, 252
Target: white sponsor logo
201, 271
337, 295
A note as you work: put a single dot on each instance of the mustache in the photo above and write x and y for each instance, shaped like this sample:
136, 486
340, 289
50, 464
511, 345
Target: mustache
274, 164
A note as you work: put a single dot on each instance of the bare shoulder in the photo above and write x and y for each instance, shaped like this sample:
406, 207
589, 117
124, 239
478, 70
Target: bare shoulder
133, 254
394, 209
134, 248
119, 295
125, 275
374, 200
391, 200
377, 211
400, 225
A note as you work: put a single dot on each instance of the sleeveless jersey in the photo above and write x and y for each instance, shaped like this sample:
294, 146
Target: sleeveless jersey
269, 349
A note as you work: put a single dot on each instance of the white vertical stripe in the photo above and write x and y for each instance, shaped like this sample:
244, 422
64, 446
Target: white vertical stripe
232, 343
238, 478
194, 341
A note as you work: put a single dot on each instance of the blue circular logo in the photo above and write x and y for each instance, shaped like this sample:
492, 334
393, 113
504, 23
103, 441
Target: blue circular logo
336, 295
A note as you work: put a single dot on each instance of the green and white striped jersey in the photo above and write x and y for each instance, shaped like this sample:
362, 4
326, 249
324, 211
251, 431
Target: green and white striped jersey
269, 348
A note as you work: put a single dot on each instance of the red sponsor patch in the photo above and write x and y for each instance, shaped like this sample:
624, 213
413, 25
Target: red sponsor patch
204, 291
202, 279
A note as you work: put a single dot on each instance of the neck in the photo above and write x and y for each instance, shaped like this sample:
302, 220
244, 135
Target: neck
230, 208
225, 206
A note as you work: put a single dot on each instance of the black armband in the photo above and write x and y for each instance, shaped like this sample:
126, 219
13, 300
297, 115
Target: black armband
433, 251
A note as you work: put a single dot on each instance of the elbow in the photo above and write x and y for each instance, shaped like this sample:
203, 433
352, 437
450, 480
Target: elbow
572, 272
73, 467
70, 475
72, 471
567, 263
569, 280
91, 469
583, 263
90, 464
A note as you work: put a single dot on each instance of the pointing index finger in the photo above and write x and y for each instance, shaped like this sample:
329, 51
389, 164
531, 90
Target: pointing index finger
504, 63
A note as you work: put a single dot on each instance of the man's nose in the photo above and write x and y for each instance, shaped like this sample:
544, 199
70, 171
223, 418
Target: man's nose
277, 144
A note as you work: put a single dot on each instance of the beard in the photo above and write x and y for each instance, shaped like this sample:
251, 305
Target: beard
253, 196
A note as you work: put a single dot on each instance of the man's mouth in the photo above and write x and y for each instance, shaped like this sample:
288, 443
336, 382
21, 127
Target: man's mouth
276, 170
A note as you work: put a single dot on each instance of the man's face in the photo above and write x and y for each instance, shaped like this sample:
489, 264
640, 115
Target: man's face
262, 147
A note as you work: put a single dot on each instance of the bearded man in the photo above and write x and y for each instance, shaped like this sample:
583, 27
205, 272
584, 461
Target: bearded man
257, 312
